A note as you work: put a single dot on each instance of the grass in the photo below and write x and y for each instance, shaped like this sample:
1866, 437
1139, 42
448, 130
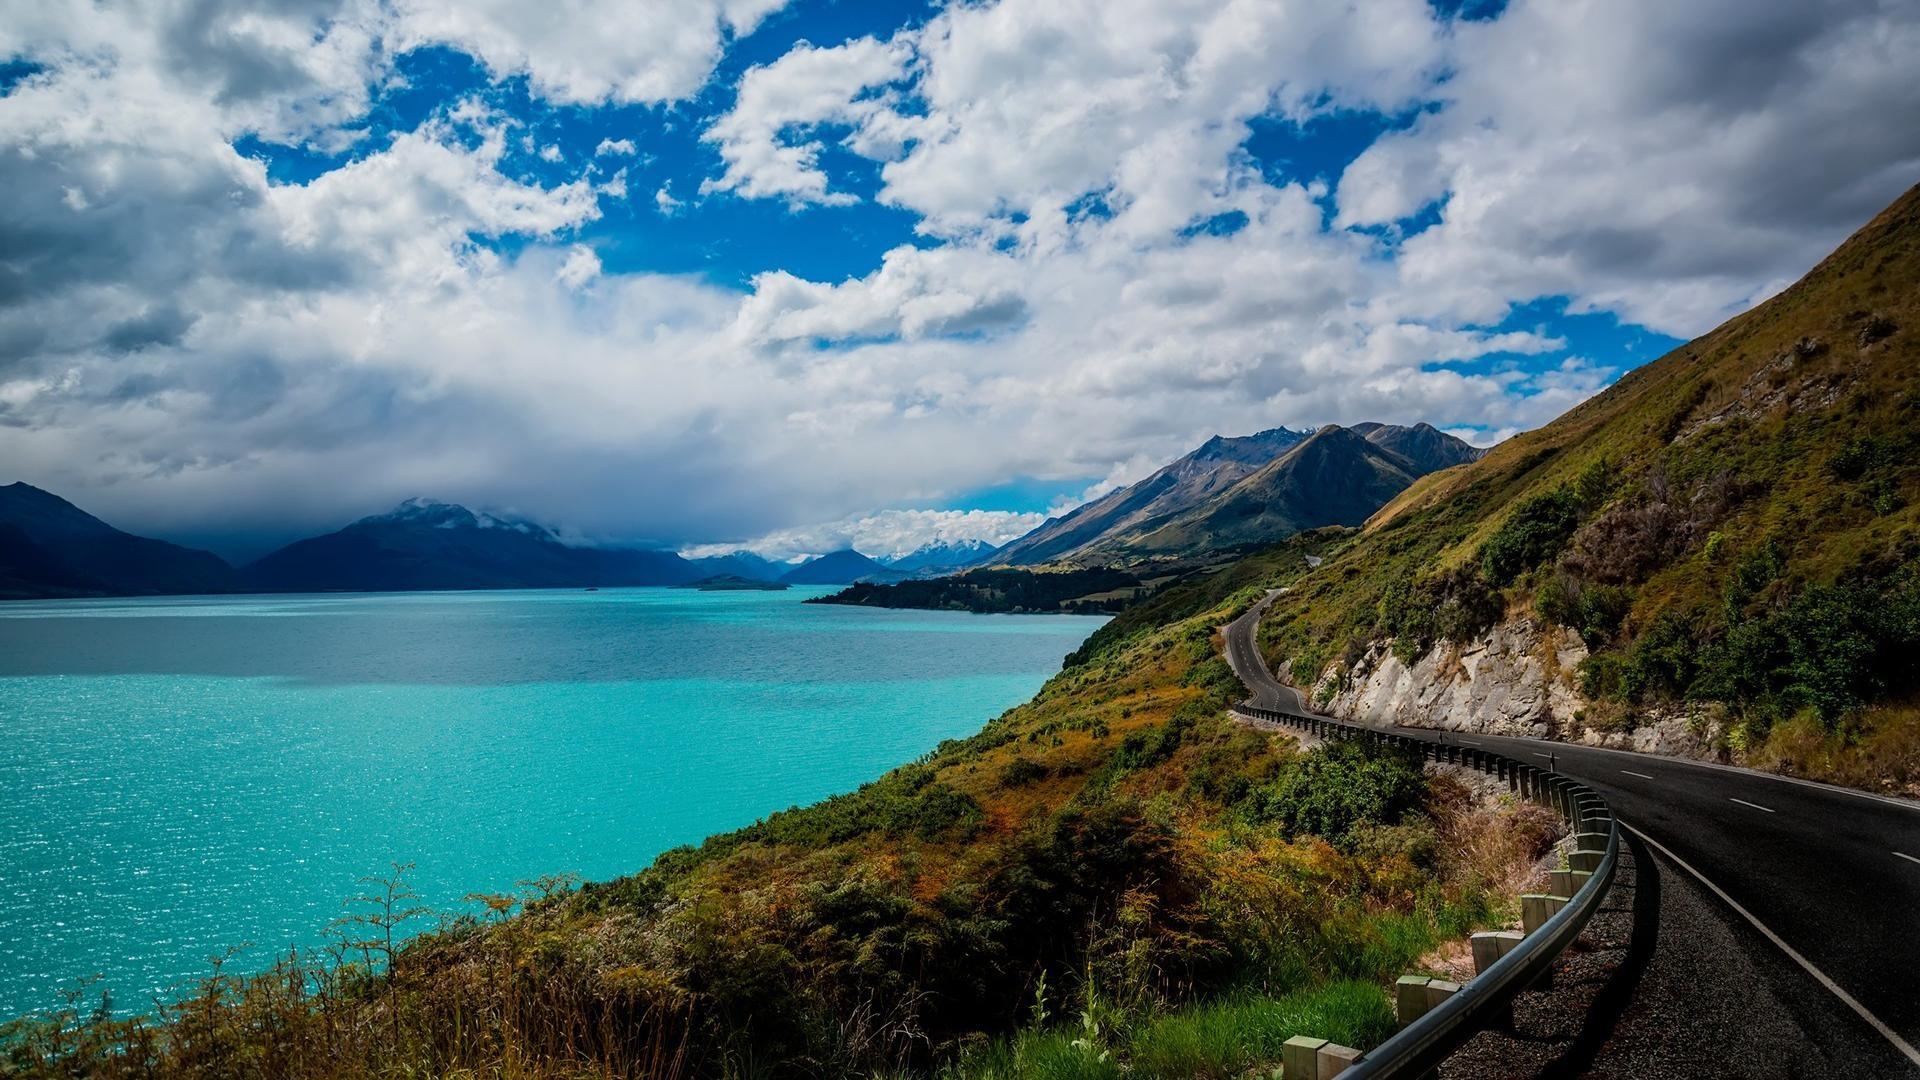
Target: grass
1213, 1040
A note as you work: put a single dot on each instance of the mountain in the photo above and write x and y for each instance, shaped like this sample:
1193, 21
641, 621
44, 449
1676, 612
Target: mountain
942, 557
1233, 492
50, 547
1336, 477
1212, 468
432, 545
843, 567
740, 564
1718, 555
1427, 447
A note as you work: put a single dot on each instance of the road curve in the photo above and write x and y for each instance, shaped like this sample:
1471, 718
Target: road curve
1826, 876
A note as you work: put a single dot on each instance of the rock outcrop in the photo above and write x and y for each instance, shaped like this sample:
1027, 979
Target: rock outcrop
1517, 679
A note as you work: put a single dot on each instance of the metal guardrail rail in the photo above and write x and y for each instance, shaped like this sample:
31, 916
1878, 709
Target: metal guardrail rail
1482, 1002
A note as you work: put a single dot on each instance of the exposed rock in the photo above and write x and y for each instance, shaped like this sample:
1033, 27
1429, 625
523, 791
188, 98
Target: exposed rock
1516, 679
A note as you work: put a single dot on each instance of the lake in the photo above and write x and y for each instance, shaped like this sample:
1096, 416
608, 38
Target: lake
181, 776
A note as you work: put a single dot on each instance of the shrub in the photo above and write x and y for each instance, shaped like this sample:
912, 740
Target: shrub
1663, 660
1454, 605
1593, 611
1536, 531
1338, 787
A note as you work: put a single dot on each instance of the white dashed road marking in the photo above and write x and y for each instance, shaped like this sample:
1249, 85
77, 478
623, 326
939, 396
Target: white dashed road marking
1641, 775
1907, 857
1755, 805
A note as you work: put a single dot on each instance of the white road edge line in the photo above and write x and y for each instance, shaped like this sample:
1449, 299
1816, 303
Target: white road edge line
1755, 805
1641, 775
1907, 857
1877, 1024
1833, 789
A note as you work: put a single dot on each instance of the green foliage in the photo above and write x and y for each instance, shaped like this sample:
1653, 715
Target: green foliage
1455, 605
1592, 611
1338, 788
1216, 677
1831, 649
1226, 1038
1536, 531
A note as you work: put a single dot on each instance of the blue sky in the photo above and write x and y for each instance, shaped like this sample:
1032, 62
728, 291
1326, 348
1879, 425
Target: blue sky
794, 274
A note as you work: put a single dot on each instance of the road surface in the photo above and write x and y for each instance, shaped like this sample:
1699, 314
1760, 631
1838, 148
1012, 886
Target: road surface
1826, 878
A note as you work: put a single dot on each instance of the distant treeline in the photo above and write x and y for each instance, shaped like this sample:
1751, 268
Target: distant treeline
1097, 591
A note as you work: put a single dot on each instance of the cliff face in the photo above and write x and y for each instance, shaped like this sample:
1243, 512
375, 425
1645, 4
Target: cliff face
1518, 679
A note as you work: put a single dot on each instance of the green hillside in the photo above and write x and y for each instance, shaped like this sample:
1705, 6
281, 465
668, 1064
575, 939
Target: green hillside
1731, 529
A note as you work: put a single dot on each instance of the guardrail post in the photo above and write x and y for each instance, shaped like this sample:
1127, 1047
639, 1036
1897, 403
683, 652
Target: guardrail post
1334, 1059
1299, 1058
1491, 945
1410, 998
1536, 909
1439, 990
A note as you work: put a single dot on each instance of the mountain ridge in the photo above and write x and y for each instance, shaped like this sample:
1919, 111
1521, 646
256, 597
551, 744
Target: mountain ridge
1230, 492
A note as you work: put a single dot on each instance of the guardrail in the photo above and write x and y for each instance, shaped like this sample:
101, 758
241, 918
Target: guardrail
1482, 1002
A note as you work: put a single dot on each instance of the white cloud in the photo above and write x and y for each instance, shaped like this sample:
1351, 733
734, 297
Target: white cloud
886, 534
802, 90
1673, 163
580, 267
583, 51
181, 339
615, 148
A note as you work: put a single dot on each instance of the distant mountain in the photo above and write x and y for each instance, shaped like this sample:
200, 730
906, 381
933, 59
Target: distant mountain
843, 567
1217, 465
433, 545
1337, 477
1257, 489
740, 564
1427, 447
50, 547
942, 557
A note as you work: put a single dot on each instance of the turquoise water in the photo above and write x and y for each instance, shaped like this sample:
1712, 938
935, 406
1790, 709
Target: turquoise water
182, 776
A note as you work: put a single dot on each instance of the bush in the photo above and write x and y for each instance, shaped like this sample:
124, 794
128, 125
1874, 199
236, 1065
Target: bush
1536, 531
1336, 788
1663, 660
1592, 611
1454, 605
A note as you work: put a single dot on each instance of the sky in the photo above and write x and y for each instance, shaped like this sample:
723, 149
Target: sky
785, 275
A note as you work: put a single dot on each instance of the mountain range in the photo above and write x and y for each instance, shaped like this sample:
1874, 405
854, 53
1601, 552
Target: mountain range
1226, 493
1252, 489
51, 548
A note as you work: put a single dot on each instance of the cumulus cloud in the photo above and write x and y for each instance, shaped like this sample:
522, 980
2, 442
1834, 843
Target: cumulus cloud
185, 341
585, 51
803, 90
1672, 163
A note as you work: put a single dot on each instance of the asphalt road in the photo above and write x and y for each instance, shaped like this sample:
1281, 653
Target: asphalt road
1826, 877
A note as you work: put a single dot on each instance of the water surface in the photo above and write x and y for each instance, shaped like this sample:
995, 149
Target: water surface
181, 776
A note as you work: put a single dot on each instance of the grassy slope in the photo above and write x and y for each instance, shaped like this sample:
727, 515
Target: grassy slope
1115, 866
1733, 528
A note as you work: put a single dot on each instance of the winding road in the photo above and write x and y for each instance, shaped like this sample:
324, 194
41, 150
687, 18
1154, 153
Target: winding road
1819, 886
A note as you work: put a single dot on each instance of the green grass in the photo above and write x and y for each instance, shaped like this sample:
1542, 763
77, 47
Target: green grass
1213, 1040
